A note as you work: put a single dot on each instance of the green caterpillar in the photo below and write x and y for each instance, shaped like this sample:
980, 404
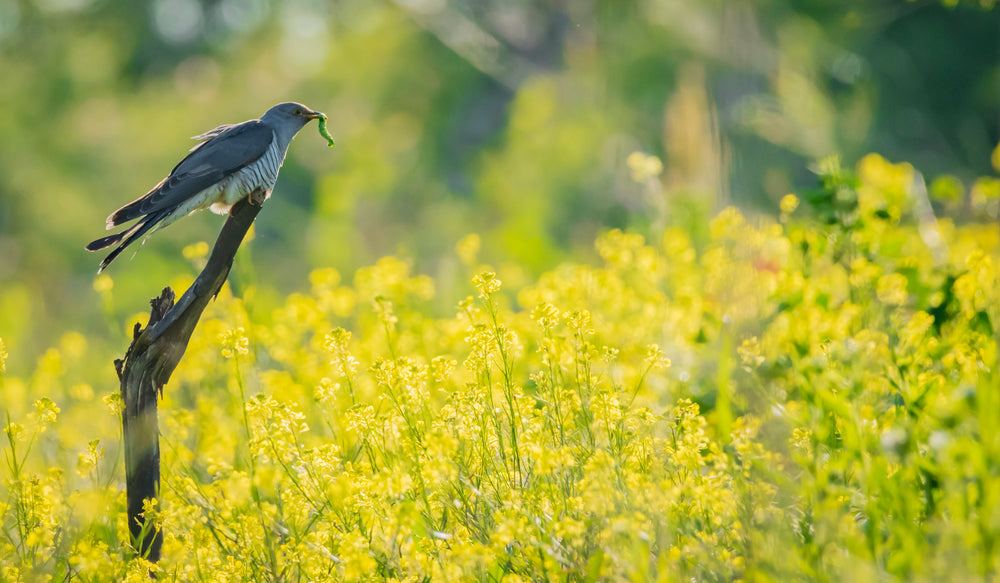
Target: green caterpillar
322, 129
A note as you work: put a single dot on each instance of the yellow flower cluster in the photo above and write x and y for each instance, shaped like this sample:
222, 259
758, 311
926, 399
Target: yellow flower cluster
784, 400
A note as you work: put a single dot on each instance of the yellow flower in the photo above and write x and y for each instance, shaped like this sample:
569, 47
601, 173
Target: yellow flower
103, 283
326, 390
644, 167
467, 248
442, 368
113, 401
324, 278
750, 353
234, 342
87, 460
891, 289
195, 251
789, 203
14, 431
884, 186
486, 283
46, 412
355, 556
619, 248
728, 223
917, 327
546, 315
655, 359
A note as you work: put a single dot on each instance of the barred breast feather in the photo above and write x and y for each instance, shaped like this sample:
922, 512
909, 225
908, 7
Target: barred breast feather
261, 174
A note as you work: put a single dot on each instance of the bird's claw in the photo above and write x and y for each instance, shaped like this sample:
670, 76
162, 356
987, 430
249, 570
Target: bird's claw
258, 196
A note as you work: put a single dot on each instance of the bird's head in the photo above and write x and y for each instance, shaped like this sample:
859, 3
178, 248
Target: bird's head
292, 116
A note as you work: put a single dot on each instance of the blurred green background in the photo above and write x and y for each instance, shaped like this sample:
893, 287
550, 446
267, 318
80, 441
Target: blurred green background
514, 119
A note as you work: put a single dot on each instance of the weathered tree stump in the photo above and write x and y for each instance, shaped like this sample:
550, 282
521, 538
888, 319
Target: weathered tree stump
151, 359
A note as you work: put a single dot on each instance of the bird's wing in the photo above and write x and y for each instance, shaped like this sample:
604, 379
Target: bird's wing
203, 138
226, 151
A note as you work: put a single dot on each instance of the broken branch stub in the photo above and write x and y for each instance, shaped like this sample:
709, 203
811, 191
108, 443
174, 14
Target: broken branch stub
149, 361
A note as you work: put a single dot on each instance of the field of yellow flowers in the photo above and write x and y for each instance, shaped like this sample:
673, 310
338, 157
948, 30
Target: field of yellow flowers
809, 396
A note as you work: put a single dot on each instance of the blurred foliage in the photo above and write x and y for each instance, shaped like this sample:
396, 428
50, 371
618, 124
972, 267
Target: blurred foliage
512, 119
810, 396
831, 408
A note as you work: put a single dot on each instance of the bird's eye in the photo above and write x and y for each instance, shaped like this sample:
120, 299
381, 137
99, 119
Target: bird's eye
298, 111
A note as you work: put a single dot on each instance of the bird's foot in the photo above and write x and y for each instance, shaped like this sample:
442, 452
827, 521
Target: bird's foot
258, 196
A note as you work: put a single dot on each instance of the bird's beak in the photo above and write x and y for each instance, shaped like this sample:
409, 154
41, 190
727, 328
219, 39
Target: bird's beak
314, 115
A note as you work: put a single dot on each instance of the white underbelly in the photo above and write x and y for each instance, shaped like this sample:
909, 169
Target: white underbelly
261, 174
230, 194
207, 198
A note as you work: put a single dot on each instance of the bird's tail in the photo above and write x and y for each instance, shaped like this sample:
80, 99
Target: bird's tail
129, 236
105, 242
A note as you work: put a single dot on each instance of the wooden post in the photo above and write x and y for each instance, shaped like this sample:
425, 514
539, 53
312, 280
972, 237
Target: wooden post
151, 359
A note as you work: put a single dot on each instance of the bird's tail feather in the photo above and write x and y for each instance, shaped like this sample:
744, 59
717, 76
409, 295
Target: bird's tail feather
105, 242
134, 209
132, 234
128, 212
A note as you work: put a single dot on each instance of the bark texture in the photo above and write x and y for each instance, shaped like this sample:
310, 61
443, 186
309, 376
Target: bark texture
151, 359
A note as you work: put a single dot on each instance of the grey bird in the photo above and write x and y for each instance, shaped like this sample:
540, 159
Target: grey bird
228, 164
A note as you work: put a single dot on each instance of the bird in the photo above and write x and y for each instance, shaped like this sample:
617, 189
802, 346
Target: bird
228, 164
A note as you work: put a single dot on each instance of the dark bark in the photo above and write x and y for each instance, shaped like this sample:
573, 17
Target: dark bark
148, 364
